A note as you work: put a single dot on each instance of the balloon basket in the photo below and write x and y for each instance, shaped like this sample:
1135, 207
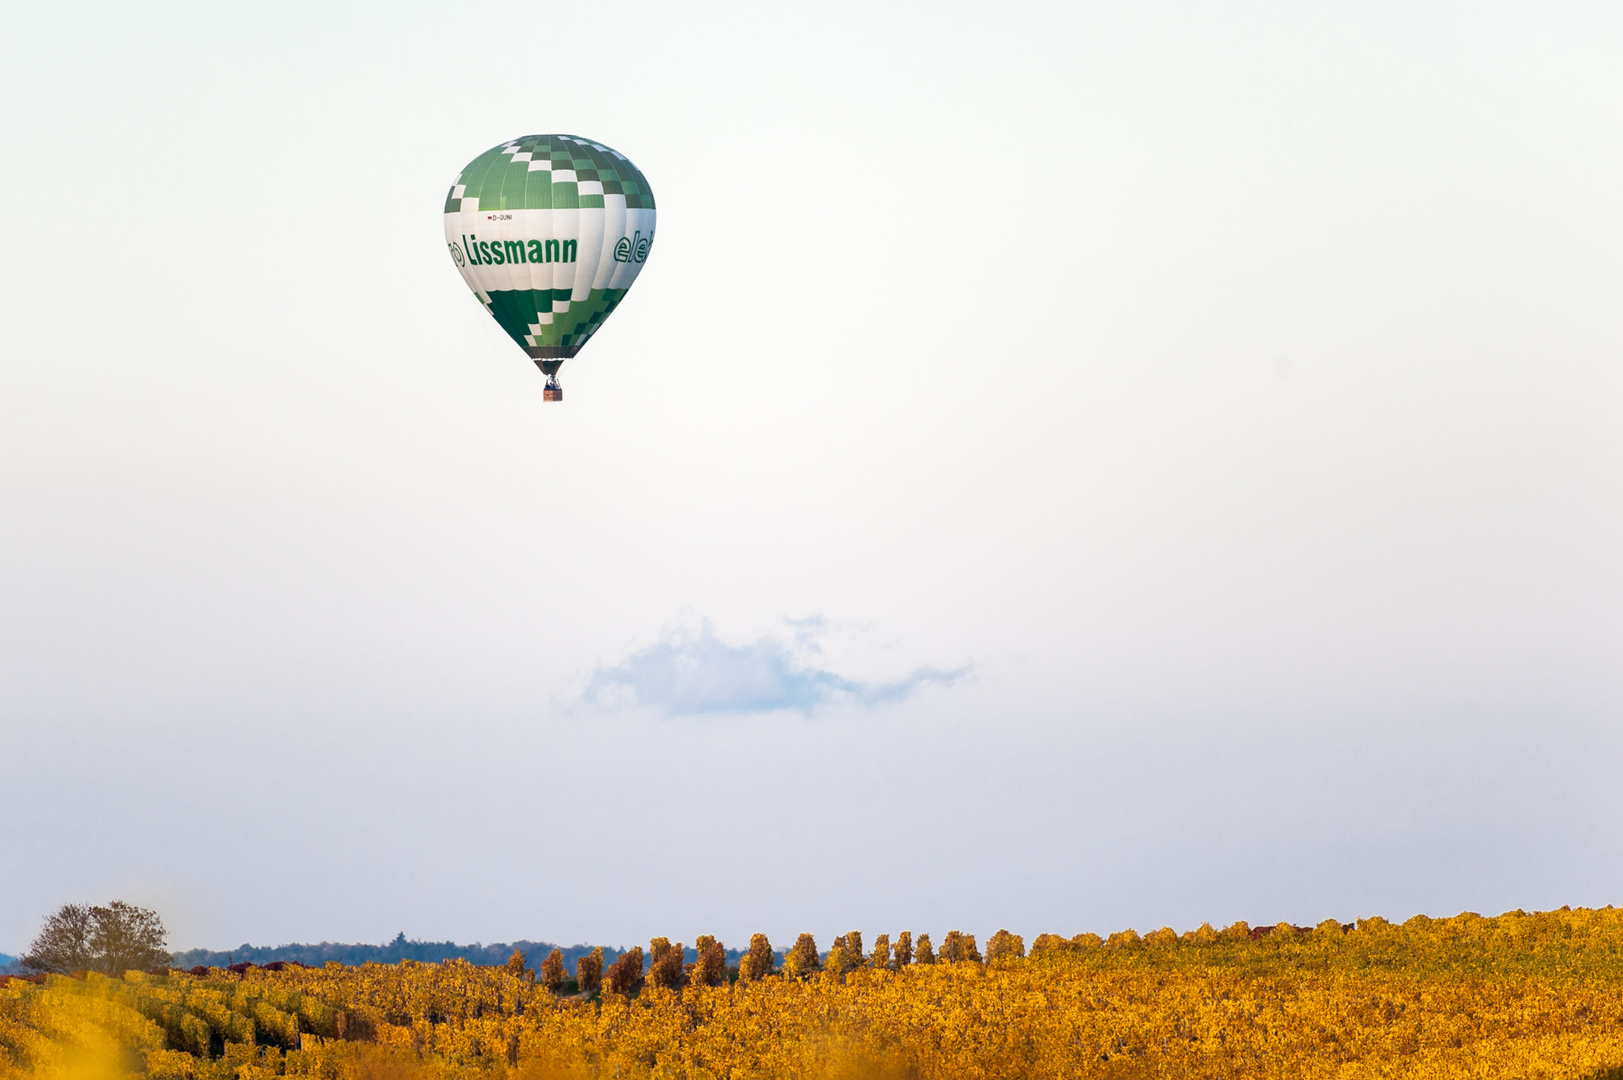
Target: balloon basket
553, 391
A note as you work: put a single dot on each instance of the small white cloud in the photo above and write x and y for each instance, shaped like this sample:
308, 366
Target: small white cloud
691, 671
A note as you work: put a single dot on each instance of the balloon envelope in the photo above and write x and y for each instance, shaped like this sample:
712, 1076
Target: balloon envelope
549, 231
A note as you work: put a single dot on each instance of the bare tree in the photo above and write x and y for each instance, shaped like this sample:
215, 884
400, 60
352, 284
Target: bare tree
125, 937
63, 945
111, 939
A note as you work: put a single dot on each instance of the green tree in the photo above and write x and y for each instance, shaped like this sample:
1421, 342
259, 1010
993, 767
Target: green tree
552, 970
802, 960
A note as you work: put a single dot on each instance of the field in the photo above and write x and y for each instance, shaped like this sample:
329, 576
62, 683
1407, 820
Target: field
1520, 995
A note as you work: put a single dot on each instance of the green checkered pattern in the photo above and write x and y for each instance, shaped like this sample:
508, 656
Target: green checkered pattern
518, 175
550, 172
519, 312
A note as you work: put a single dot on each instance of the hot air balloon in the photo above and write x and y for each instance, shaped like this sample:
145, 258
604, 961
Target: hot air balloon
549, 231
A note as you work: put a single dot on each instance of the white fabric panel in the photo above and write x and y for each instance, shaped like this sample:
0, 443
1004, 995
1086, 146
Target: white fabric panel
614, 220
595, 230
590, 252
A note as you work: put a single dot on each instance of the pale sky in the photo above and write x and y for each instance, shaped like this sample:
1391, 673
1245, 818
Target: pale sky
1063, 467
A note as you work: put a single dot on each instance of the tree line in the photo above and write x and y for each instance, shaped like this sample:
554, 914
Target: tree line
664, 964
118, 937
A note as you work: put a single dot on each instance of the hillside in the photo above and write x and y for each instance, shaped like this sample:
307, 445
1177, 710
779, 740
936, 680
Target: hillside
1518, 995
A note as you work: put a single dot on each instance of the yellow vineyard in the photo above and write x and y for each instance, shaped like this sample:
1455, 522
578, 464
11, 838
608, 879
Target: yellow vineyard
1519, 995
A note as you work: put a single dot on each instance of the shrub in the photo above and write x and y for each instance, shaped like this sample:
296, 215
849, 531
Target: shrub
1164, 936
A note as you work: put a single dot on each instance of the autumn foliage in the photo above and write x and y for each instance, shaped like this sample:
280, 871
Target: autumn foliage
589, 971
758, 962
1520, 995
957, 947
625, 974
666, 971
1005, 946
903, 951
552, 971
711, 967
802, 960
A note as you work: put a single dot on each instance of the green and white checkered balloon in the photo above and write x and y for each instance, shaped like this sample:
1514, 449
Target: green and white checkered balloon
549, 231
